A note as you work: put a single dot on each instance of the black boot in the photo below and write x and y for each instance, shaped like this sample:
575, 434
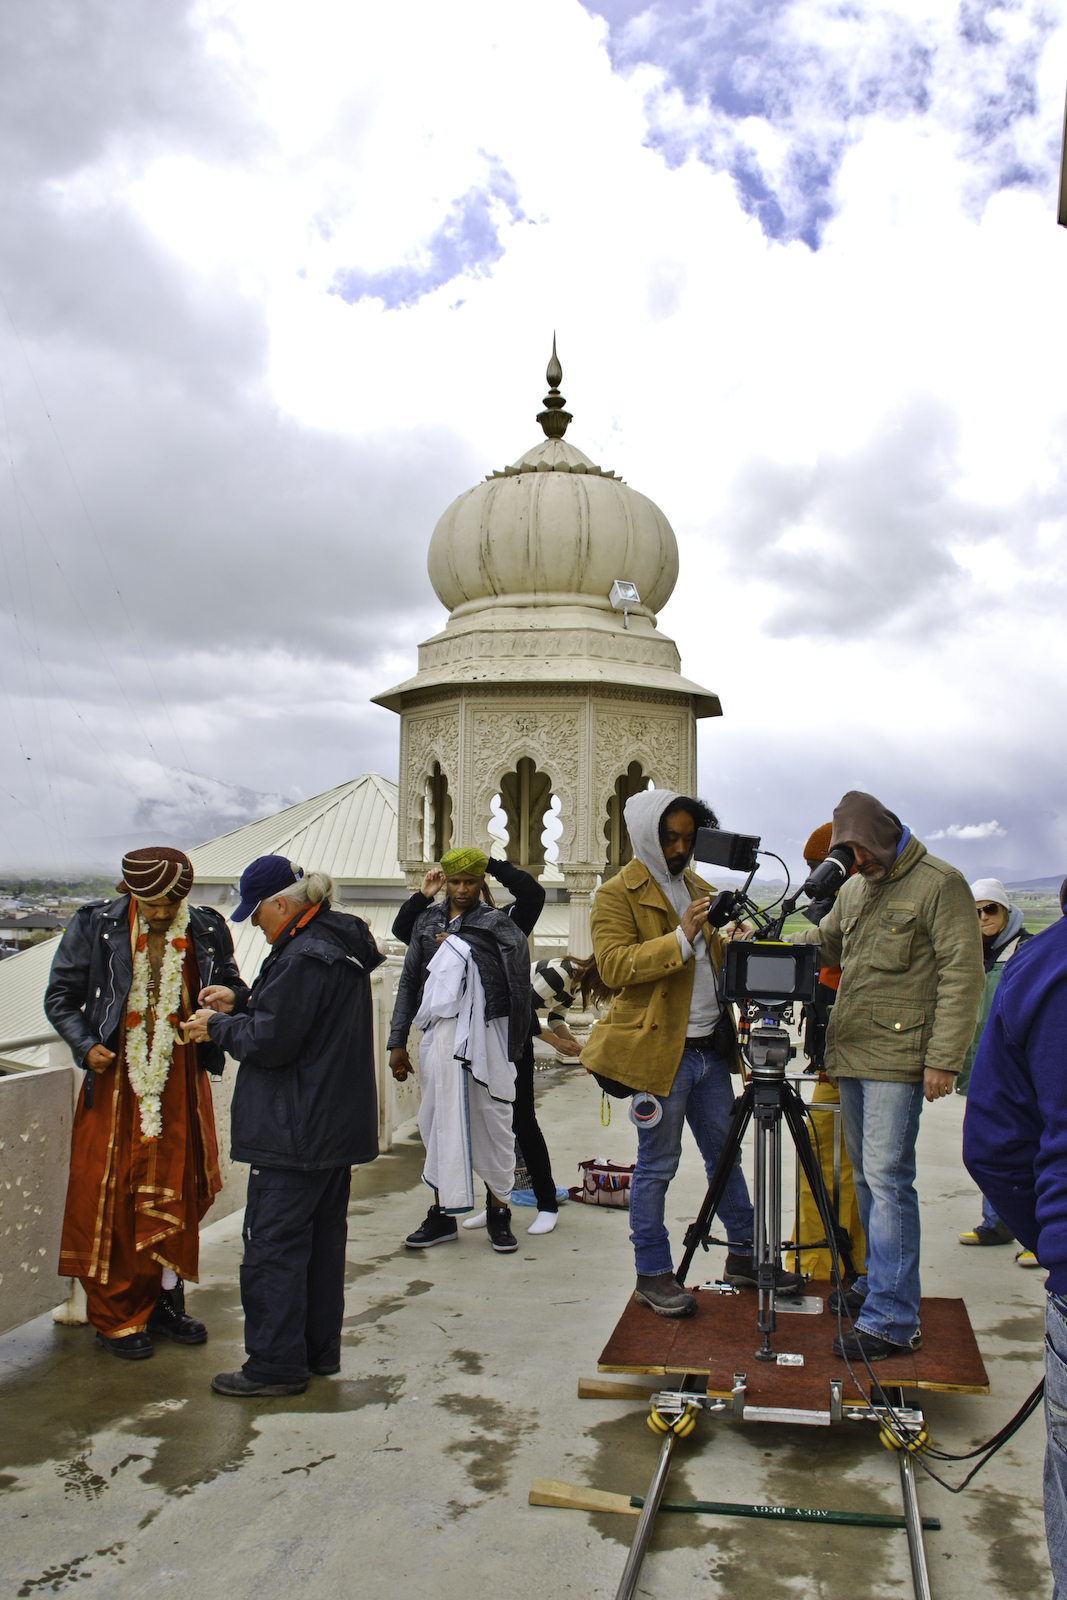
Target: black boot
741, 1272
129, 1346
437, 1229
662, 1293
169, 1317
851, 1301
498, 1227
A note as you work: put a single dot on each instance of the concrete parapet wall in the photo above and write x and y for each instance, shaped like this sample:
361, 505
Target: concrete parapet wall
36, 1113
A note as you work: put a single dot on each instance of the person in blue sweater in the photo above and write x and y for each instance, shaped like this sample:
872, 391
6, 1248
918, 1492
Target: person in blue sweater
1015, 1148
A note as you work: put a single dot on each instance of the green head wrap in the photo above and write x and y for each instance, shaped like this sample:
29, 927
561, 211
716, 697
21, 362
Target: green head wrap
456, 861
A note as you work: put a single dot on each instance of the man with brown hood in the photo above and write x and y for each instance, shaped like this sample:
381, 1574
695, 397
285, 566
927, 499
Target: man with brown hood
904, 933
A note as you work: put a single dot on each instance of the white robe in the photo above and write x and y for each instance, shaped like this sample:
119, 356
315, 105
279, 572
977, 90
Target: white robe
468, 1083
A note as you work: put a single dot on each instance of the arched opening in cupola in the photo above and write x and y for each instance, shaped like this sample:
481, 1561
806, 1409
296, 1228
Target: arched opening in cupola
616, 833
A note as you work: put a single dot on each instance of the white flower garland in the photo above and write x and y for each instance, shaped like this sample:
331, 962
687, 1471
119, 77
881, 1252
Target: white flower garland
148, 1070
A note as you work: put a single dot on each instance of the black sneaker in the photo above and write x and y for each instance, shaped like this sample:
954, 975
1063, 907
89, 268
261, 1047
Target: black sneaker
240, 1387
129, 1346
169, 1317
437, 1229
858, 1344
851, 1301
741, 1272
498, 1227
999, 1233
663, 1294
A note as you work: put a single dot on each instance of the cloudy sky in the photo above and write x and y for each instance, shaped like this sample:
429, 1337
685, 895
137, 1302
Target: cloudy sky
279, 280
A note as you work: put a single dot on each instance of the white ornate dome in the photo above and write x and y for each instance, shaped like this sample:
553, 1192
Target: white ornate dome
552, 529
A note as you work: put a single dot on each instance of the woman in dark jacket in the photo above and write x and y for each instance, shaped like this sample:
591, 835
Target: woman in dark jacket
1002, 934
304, 1112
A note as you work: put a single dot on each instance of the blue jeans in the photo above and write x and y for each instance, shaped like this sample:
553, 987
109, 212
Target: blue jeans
989, 1216
1056, 1450
703, 1096
880, 1122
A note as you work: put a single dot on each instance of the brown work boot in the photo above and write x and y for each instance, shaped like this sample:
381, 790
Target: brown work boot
664, 1295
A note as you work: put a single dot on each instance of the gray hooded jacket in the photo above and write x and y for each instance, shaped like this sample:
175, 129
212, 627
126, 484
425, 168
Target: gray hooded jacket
643, 813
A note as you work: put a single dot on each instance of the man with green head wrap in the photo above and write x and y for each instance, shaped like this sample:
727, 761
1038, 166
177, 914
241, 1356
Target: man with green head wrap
466, 985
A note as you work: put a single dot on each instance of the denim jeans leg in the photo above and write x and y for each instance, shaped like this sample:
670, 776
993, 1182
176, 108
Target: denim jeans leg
989, 1216
1056, 1448
711, 1102
881, 1122
850, 1091
658, 1152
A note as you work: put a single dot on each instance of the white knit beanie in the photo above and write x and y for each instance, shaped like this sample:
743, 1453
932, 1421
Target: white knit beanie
991, 889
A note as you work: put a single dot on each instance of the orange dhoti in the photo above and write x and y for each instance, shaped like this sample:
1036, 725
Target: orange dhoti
134, 1205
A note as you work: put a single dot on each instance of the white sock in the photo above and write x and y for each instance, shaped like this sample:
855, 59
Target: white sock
544, 1222
477, 1221
170, 1278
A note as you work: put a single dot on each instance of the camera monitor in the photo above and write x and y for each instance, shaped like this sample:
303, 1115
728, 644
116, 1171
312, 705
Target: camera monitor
734, 851
774, 972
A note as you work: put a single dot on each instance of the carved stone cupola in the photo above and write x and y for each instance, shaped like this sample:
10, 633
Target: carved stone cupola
538, 687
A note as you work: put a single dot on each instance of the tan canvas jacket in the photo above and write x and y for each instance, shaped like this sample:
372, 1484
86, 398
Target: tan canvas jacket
641, 1039
912, 975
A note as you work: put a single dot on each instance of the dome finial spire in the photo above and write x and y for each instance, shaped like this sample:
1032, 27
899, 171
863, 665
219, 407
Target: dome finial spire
554, 419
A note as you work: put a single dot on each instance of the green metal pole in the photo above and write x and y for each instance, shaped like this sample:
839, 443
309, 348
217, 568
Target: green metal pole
729, 1508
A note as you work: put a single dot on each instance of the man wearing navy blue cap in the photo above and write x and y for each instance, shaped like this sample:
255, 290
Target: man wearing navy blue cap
304, 1113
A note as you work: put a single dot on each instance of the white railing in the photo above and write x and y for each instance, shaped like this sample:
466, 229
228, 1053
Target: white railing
36, 1114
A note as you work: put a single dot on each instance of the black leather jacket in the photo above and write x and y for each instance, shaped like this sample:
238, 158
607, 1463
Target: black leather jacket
502, 955
93, 969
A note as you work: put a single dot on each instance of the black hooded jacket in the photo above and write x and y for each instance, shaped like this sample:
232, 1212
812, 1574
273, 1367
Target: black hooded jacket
305, 1096
93, 969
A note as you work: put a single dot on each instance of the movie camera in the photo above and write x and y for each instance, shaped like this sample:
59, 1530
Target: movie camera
765, 977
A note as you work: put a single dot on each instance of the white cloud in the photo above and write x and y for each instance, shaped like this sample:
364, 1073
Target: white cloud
861, 449
970, 830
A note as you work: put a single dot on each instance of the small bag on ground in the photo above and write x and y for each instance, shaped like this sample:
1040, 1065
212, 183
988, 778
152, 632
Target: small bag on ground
604, 1183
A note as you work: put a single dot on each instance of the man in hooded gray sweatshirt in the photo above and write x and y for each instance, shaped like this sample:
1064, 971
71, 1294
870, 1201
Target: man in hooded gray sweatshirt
666, 1034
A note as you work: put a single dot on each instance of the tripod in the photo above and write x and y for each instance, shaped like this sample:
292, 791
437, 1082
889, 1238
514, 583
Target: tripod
770, 1099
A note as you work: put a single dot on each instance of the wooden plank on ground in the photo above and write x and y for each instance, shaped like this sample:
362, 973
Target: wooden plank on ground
575, 1497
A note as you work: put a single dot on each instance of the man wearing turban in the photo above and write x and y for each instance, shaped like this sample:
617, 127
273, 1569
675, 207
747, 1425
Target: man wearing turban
144, 1165
466, 987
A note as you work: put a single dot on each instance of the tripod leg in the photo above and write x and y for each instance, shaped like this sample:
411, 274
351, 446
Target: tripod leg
697, 1232
836, 1236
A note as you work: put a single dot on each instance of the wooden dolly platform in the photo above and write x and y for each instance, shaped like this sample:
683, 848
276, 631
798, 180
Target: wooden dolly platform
711, 1357
721, 1339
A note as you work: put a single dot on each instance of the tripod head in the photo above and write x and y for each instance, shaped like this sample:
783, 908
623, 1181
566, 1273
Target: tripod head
768, 1048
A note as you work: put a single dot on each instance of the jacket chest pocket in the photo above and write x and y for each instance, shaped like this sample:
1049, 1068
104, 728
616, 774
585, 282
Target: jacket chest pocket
891, 946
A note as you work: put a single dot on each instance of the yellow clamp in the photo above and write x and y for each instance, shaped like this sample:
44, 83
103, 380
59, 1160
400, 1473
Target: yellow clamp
681, 1425
915, 1443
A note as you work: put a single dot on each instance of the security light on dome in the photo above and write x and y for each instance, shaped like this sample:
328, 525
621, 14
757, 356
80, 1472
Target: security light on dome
623, 595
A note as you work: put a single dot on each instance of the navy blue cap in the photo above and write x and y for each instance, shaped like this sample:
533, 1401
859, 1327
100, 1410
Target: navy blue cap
266, 876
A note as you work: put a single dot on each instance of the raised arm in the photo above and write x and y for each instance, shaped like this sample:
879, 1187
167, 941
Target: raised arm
622, 958
529, 895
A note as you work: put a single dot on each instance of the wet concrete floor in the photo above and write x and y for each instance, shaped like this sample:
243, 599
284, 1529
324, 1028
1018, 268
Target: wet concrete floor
407, 1476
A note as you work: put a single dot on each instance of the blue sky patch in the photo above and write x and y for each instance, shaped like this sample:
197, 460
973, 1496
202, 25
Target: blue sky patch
466, 243
813, 71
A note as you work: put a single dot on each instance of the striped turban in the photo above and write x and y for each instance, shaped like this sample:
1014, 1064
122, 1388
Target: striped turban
156, 873
470, 860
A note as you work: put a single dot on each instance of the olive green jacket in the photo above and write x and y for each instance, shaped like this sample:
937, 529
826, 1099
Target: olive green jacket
912, 975
640, 1041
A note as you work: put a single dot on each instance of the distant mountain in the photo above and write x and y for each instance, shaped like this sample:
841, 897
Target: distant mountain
1040, 885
